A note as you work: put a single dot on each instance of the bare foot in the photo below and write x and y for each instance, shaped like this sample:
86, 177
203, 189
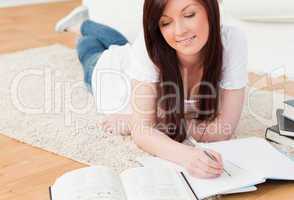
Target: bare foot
116, 124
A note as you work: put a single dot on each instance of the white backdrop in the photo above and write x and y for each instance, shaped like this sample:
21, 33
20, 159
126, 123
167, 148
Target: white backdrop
124, 15
271, 45
268, 10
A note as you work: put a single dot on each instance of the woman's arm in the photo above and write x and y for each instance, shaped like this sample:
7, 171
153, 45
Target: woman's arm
224, 126
144, 118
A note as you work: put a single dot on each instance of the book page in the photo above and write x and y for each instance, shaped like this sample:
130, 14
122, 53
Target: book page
89, 183
226, 183
241, 190
238, 179
144, 183
256, 155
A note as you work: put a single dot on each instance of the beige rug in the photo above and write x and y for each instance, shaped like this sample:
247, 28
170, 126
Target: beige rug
26, 81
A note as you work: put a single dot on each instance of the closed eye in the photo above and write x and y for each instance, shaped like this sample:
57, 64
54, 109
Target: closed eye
163, 24
190, 16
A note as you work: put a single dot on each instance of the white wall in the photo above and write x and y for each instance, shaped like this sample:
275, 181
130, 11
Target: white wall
261, 9
124, 15
271, 45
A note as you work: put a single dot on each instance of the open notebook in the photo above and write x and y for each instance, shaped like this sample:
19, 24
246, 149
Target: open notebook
240, 180
256, 155
250, 161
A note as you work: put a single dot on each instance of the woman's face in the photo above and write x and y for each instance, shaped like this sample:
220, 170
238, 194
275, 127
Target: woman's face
185, 27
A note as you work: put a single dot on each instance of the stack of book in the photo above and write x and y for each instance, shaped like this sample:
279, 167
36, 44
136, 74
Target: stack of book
283, 132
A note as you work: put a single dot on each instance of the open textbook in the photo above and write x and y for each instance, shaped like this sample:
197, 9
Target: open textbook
98, 182
246, 159
141, 183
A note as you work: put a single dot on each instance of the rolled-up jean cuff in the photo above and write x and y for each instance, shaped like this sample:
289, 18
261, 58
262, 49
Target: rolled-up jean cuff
89, 67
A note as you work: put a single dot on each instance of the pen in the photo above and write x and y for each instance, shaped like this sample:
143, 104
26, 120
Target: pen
214, 159
183, 175
195, 143
50, 193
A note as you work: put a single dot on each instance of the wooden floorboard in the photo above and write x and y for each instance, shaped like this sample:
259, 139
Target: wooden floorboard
33, 26
26, 172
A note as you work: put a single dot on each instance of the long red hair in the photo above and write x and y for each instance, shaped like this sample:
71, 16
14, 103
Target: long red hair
165, 58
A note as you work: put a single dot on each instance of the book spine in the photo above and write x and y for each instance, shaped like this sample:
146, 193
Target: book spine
190, 187
288, 117
268, 138
50, 193
279, 139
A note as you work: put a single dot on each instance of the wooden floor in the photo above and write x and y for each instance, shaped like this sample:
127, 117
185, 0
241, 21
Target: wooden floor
27, 172
33, 26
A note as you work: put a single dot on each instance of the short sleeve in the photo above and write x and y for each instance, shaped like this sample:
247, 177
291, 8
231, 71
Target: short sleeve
141, 67
235, 58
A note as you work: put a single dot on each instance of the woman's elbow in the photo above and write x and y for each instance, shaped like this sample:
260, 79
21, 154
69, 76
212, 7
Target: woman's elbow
228, 124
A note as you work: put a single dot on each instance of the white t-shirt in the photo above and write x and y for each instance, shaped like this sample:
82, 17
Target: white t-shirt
118, 65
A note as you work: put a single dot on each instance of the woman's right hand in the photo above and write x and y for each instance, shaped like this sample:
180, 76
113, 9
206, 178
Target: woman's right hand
200, 165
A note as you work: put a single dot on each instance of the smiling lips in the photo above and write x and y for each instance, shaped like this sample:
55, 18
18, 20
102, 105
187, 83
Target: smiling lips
186, 41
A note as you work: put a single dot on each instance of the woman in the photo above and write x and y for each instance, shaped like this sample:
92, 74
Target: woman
193, 73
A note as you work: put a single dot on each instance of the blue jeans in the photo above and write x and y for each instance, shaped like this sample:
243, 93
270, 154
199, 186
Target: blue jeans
95, 39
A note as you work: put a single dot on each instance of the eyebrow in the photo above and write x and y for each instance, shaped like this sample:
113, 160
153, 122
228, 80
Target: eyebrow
192, 4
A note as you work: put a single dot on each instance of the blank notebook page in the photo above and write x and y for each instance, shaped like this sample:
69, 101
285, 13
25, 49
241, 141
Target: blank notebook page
256, 155
240, 178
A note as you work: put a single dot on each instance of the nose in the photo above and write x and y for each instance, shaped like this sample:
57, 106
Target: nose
180, 28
